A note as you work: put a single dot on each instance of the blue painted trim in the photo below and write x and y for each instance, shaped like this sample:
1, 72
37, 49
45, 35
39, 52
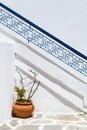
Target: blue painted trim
45, 32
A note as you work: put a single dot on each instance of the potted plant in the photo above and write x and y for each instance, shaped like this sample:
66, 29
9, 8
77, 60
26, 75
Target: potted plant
23, 106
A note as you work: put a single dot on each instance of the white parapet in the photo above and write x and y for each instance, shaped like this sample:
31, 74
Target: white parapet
6, 80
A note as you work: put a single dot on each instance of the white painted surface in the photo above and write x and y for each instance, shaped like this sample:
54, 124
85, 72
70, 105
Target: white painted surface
6, 79
5, 38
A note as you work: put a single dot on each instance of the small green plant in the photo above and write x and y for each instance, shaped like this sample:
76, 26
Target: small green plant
21, 86
85, 113
20, 92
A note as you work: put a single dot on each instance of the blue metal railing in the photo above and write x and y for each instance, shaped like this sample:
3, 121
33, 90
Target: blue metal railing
43, 39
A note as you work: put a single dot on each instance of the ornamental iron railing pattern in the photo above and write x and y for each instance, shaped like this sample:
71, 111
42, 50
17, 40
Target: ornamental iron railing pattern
43, 39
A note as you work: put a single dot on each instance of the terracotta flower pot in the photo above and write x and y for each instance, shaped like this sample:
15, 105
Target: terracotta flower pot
23, 109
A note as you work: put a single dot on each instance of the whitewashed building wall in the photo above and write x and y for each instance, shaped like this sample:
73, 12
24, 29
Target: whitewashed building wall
6, 77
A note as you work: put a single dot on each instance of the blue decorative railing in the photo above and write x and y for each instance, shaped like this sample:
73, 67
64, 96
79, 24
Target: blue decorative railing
43, 39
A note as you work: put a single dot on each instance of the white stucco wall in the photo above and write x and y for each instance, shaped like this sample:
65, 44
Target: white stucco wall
6, 77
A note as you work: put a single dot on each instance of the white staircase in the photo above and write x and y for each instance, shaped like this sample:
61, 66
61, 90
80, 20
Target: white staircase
62, 86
